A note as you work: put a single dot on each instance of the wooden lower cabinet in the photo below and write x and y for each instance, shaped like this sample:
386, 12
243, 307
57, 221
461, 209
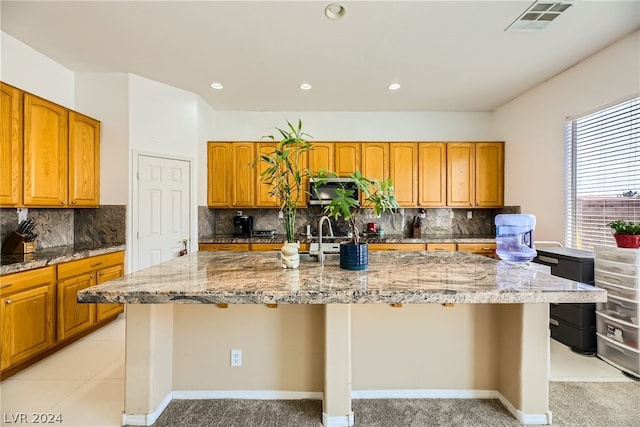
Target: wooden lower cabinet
105, 311
225, 247
27, 307
74, 318
486, 249
396, 246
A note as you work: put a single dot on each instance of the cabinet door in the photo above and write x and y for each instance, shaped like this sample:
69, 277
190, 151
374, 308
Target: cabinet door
321, 157
347, 158
74, 317
489, 174
224, 247
396, 246
486, 249
243, 174
10, 145
27, 316
432, 169
219, 177
263, 199
105, 311
375, 161
45, 153
84, 160
403, 170
460, 174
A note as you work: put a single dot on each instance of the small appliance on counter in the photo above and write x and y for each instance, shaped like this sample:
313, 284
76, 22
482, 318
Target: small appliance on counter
242, 225
571, 324
22, 240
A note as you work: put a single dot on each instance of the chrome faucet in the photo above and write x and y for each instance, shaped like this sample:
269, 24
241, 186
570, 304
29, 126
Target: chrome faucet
322, 219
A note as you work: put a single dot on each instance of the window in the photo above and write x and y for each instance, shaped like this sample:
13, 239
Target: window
603, 173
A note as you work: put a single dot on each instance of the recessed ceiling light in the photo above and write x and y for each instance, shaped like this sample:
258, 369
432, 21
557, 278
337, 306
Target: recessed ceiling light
335, 11
305, 86
393, 86
216, 85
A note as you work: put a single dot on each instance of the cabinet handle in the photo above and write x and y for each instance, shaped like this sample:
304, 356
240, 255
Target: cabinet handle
9, 301
487, 249
6, 286
554, 322
96, 264
101, 274
74, 202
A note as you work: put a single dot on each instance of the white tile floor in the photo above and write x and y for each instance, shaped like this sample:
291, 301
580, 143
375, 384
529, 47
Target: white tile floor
85, 381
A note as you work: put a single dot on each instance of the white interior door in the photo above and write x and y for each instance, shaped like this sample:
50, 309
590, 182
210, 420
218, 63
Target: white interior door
164, 204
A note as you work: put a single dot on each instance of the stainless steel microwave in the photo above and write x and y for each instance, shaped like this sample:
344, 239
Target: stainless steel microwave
323, 191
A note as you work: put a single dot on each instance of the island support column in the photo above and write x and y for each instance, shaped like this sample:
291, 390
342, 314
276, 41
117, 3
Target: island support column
336, 405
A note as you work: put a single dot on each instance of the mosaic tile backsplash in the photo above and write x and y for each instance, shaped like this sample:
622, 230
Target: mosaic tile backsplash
438, 221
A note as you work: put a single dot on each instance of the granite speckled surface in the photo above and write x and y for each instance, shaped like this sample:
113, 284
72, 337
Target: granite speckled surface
14, 263
392, 277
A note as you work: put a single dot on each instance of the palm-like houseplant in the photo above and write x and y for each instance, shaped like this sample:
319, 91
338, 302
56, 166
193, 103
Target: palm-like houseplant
377, 195
285, 173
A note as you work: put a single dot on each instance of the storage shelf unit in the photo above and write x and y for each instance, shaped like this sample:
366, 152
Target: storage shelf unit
618, 328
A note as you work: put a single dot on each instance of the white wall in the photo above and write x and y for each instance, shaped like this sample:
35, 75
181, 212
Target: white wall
28, 69
105, 96
533, 127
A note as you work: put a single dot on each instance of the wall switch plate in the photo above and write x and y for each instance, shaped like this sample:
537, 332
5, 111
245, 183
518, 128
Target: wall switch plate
469, 214
22, 214
236, 358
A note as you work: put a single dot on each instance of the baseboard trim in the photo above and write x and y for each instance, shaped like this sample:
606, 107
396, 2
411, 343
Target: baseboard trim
148, 419
246, 394
523, 417
338, 421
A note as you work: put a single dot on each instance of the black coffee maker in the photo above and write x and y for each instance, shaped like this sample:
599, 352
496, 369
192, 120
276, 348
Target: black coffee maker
242, 225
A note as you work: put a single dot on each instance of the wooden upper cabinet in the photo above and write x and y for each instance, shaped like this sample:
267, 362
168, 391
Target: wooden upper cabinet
263, 199
219, 174
84, 160
403, 171
489, 174
347, 158
460, 174
10, 145
243, 155
45, 153
432, 171
321, 156
375, 160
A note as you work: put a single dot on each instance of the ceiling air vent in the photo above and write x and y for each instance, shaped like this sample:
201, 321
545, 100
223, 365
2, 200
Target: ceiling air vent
539, 15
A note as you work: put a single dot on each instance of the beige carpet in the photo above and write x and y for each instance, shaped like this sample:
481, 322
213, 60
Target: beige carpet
588, 404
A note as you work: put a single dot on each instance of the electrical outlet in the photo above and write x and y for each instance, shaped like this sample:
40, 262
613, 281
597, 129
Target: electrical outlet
22, 214
423, 213
280, 215
469, 214
236, 357
451, 214
238, 213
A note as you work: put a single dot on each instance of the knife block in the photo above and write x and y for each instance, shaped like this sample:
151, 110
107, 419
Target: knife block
16, 243
417, 232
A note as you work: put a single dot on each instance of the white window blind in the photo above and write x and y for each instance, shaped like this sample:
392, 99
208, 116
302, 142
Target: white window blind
603, 173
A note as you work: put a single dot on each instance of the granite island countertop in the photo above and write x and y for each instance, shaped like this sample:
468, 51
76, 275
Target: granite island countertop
392, 277
388, 238
15, 263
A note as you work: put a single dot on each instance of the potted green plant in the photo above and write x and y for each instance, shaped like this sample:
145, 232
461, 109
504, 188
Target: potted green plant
377, 195
286, 177
626, 233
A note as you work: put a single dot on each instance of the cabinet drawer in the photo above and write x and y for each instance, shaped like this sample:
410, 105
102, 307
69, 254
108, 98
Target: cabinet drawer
441, 247
396, 246
73, 268
617, 331
615, 267
621, 357
628, 256
609, 278
266, 246
228, 247
624, 310
478, 248
579, 315
16, 282
619, 291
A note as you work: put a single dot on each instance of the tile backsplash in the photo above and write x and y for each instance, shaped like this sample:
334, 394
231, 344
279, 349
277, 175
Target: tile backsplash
105, 225
438, 221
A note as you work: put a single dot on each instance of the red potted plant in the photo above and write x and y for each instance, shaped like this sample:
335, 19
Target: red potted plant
626, 233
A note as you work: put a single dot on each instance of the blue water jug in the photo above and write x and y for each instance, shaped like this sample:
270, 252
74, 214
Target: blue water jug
514, 237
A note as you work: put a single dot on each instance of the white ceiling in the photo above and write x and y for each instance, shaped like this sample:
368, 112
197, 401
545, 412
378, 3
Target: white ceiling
447, 55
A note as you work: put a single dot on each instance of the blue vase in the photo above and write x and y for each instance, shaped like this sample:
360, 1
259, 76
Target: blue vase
354, 256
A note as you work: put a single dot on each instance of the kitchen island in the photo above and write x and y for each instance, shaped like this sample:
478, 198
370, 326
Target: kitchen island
415, 324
